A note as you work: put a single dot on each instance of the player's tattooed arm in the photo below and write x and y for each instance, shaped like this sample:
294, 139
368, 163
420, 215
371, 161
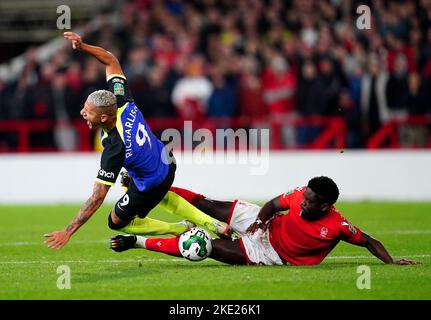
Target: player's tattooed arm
58, 239
89, 207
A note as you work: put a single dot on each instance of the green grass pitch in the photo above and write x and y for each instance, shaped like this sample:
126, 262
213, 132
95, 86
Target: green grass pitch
28, 269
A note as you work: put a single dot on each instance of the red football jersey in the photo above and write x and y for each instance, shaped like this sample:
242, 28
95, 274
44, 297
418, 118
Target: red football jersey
302, 242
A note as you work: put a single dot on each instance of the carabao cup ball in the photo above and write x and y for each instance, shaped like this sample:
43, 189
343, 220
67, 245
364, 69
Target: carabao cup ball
195, 244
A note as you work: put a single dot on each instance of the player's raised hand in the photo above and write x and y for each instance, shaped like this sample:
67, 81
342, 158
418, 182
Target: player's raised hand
75, 38
57, 240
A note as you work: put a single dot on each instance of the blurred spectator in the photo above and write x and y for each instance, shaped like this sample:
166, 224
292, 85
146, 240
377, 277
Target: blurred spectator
309, 100
4, 107
64, 133
250, 90
74, 90
32, 99
352, 114
138, 63
223, 101
417, 102
23, 91
310, 91
397, 86
279, 87
397, 48
418, 96
373, 96
154, 97
4, 114
163, 50
332, 86
92, 78
350, 105
426, 56
191, 92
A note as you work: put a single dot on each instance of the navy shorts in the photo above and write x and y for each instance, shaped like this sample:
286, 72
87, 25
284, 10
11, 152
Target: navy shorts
136, 203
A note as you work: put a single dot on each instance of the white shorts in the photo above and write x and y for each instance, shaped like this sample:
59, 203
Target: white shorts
257, 248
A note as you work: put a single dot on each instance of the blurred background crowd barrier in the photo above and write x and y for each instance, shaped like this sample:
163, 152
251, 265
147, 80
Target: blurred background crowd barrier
299, 68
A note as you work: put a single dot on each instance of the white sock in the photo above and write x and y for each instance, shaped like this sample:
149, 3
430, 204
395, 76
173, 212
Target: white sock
140, 242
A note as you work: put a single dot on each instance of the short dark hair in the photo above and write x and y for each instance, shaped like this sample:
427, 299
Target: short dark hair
325, 187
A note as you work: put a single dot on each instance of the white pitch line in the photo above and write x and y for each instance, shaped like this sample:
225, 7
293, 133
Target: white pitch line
406, 232
93, 261
145, 260
372, 257
35, 243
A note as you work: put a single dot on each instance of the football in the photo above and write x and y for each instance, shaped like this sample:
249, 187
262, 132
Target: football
195, 244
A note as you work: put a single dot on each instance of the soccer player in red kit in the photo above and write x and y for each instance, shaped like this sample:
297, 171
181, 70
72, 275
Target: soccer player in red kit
305, 235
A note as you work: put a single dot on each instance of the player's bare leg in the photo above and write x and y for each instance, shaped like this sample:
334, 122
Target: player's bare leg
214, 208
228, 251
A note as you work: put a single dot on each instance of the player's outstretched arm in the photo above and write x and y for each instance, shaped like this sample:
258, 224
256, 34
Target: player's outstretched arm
379, 251
113, 67
58, 239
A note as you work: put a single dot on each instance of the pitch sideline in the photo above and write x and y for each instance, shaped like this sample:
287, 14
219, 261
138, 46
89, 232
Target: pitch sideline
144, 260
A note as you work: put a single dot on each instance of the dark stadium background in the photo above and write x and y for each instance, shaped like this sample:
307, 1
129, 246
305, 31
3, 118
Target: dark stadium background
301, 68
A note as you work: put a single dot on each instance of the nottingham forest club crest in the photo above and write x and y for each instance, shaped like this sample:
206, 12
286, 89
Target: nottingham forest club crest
324, 232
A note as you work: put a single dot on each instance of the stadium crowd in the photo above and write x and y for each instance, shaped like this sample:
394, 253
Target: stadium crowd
257, 58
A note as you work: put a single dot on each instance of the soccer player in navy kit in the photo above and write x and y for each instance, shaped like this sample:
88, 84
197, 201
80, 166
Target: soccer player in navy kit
128, 142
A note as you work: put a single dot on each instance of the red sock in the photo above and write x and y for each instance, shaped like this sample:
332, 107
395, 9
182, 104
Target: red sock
190, 196
164, 245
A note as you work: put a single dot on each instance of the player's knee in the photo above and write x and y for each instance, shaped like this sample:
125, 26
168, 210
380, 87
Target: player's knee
113, 225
